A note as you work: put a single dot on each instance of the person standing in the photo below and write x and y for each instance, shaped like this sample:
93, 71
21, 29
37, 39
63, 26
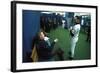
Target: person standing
74, 32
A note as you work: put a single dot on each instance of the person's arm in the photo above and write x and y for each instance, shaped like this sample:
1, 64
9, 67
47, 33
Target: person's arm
75, 30
71, 31
47, 41
53, 43
50, 45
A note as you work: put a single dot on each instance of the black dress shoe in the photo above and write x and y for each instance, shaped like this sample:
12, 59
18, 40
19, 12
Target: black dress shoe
71, 58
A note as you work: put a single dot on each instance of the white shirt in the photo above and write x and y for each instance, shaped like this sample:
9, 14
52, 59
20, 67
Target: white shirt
47, 40
76, 30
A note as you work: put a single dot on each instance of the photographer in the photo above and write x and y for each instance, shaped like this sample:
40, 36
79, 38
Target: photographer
44, 47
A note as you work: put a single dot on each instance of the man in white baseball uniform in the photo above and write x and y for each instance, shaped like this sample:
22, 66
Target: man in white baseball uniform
74, 32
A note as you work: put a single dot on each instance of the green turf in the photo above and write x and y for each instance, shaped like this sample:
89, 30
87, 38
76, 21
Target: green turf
82, 51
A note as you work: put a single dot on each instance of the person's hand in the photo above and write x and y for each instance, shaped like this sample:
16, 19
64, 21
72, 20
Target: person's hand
70, 28
56, 40
46, 38
72, 33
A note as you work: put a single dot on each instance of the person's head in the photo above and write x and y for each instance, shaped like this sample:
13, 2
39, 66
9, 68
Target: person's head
41, 35
77, 19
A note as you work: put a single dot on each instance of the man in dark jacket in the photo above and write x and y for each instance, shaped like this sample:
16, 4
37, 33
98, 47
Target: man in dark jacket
44, 47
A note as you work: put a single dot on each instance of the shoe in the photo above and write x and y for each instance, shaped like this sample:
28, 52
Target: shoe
71, 58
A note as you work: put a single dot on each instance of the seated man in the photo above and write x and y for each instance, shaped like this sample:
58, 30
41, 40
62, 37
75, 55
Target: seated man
44, 47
